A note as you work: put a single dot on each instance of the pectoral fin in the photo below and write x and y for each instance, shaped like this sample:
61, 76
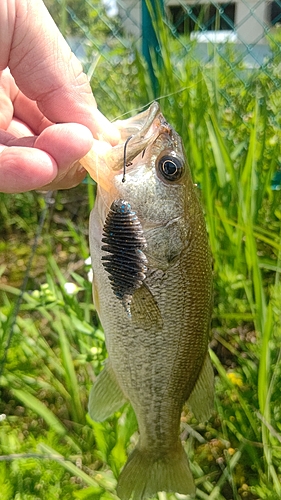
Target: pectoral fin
145, 310
106, 396
201, 399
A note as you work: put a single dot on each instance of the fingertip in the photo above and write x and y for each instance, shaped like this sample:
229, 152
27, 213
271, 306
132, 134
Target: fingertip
25, 169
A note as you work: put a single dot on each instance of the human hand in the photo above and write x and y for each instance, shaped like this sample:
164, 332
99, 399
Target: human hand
48, 115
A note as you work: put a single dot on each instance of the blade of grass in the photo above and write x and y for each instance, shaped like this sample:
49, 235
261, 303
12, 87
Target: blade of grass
35, 405
222, 157
100, 478
77, 412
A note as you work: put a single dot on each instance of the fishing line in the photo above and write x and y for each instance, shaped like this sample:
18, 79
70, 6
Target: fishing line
157, 99
48, 201
125, 154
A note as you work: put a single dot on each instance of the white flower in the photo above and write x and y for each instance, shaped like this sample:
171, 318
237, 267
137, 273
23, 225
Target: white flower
90, 275
71, 288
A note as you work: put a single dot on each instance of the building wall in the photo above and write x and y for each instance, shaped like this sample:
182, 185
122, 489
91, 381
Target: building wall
251, 17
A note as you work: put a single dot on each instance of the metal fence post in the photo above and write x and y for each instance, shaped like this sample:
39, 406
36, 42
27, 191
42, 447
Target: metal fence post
150, 46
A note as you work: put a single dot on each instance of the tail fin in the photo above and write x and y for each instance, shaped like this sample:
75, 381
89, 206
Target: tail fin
144, 474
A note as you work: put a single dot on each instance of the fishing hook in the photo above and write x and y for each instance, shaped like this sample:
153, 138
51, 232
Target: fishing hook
125, 163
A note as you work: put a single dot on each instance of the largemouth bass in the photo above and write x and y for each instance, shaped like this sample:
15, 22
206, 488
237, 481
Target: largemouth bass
152, 288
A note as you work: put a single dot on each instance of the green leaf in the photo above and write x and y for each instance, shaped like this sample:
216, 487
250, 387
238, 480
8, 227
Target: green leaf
92, 493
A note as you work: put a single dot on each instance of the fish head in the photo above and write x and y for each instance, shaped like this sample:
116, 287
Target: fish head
157, 180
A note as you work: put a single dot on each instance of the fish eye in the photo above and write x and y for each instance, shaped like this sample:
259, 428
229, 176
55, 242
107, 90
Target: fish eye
171, 167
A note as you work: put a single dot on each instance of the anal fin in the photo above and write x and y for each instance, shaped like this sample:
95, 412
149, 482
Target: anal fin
201, 399
106, 396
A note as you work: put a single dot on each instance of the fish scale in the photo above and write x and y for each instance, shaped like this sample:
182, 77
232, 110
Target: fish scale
158, 355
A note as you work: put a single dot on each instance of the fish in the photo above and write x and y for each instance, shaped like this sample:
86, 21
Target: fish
152, 289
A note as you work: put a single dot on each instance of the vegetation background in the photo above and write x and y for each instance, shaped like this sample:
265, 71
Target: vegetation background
51, 342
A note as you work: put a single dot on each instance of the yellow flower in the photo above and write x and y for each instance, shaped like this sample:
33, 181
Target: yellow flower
235, 378
231, 451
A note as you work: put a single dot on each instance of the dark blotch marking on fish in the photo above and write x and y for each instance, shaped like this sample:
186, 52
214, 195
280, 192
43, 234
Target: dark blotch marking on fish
126, 264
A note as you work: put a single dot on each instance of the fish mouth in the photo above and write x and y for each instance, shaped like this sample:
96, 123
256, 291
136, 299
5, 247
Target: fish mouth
142, 130
140, 124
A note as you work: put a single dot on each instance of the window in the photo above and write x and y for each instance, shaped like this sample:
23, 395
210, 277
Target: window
203, 16
275, 12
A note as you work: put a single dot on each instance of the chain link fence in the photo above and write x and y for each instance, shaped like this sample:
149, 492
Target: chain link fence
243, 35
137, 50
192, 55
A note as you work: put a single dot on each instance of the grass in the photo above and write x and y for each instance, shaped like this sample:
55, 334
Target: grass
229, 120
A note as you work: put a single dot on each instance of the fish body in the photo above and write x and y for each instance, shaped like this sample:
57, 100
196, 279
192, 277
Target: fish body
158, 343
